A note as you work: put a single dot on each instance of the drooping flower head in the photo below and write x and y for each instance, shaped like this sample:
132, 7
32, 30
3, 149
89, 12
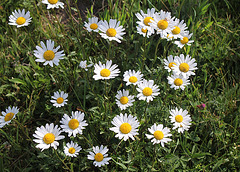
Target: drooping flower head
169, 63
83, 64
20, 18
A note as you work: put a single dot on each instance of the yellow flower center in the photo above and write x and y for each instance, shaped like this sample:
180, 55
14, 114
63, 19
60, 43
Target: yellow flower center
49, 138
124, 100
144, 30
133, 79
60, 100
176, 30
147, 20
178, 82
179, 118
9, 116
71, 150
48, 55
170, 65
158, 135
147, 91
125, 128
184, 40
52, 1
20, 20
111, 32
98, 157
73, 124
105, 72
162, 24
93, 26
184, 67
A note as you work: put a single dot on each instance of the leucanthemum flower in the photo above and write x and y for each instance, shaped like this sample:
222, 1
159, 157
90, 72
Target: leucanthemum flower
147, 90
185, 40
83, 64
72, 149
169, 63
19, 18
60, 99
163, 23
179, 29
159, 134
112, 31
47, 136
8, 115
73, 125
93, 24
99, 155
105, 71
142, 30
53, 3
180, 119
125, 126
124, 100
177, 81
48, 54
184, 66
132, 77
146, 19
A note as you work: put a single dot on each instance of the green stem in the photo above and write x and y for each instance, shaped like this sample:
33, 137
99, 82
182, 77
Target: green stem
155, 54
109, 49
144, 53
62, 160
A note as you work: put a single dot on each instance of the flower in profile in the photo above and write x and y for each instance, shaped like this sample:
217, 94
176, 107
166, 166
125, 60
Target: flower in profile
93, 24
185, 40
132, 77
179, 29
169, 63
73, 125
159, 134
8, 115
177, 81
184, 66
48, 54
112, 31
59, 99
146, 18
72, 149
124, 100
142, 30
105, 71
47, 136
83, 64
180, 119
147, 90
99, 155
20, 18
125, 126
53, 3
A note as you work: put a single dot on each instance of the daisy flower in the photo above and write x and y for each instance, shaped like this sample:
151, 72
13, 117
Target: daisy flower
73, 125
142, 30
179, 29
48, 54
83, 64
53, 3
163, 23
105, 71
72, 149
8, 115
124, 100
177, 81
132, 77
180, 119
125, 126
99, 155
147, 90
93, 24
60, 99
146, 19
184, 40
169, 63
112, 31
46, 136
159, 134
19, 18
184, 66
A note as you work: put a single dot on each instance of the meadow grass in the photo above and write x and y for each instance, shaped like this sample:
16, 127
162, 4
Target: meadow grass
211, 144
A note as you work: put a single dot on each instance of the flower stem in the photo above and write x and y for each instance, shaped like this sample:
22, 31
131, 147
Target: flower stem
62, 160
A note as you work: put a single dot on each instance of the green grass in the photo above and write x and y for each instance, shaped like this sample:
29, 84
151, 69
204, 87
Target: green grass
211, 144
